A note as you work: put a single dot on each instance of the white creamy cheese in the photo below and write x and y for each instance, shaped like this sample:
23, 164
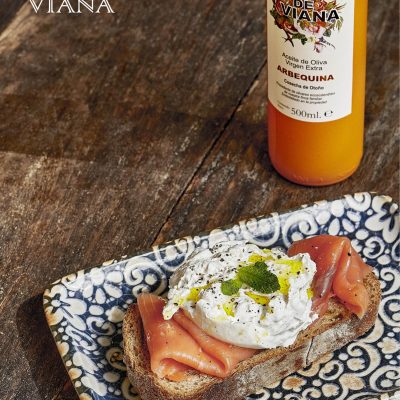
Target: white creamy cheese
248, 318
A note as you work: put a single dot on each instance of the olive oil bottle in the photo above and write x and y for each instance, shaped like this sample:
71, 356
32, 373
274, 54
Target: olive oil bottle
316, 88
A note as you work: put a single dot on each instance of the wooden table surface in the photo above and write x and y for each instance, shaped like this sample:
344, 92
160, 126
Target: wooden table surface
120, 131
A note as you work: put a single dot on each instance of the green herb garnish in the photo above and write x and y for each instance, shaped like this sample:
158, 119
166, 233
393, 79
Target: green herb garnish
231, 287
259, 278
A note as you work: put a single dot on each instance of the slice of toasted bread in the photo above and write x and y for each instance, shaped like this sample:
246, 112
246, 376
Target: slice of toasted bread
336, 328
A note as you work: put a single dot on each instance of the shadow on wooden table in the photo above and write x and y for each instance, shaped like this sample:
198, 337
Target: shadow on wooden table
38, 346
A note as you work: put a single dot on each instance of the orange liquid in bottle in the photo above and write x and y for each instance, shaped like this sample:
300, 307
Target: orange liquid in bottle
323, 153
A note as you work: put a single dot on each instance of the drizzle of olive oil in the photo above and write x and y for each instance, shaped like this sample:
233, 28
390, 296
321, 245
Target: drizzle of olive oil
256, 258
296, 267
228, 308
259, 258
194, 293
258, 298
180, 302
284, 284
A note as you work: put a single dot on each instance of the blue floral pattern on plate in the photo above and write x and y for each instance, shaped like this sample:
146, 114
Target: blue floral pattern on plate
85, 310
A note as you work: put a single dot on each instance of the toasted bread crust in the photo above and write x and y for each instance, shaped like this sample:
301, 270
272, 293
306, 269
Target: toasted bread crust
336, 328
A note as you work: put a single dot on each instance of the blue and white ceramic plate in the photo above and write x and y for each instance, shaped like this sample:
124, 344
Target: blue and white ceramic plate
85, 310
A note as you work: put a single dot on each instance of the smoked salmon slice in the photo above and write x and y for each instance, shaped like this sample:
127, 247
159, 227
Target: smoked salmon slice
340, 272
178, 345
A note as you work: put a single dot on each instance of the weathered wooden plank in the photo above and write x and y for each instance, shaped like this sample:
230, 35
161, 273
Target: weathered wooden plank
8, 10
237, 180
182, 56
116, 114
104, 119
67, 393
59, 215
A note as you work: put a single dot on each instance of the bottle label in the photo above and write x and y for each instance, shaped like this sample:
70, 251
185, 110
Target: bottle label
310, 58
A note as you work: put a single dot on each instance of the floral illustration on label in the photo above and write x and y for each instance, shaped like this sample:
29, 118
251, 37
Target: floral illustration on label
308, 21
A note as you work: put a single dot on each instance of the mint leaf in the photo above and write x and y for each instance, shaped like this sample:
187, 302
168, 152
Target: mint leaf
231, 287
260, 264
259, 278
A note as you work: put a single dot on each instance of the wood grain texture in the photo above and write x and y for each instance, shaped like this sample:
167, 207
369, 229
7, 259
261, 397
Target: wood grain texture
8, 9
104, 120
237, 180
120, 131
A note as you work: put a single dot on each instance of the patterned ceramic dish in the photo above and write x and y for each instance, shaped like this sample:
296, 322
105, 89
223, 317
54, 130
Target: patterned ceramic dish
85, 309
